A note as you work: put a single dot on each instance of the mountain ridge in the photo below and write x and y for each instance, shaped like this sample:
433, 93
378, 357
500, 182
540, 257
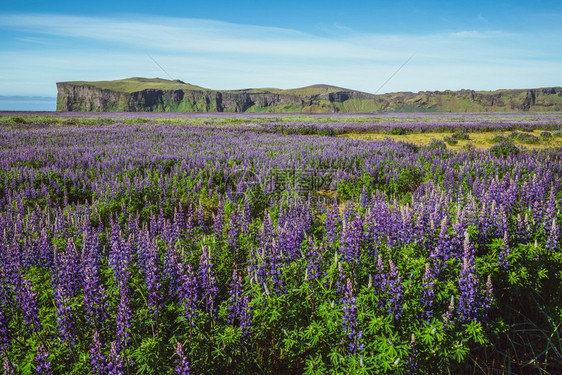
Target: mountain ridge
139, 94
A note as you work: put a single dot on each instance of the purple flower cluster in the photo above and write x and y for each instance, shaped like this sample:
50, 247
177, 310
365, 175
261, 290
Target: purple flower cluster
207, 283
182, 364
43, 365
350, 323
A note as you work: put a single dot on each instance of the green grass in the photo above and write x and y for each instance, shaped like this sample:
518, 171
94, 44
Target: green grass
136, 84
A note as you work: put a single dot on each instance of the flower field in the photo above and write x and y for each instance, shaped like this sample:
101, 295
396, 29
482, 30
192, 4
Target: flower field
266, 246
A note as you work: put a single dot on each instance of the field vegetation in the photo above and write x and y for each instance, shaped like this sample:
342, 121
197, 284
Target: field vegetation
267, 245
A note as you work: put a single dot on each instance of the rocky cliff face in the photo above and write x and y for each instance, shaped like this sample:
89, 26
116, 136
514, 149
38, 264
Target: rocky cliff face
90, 97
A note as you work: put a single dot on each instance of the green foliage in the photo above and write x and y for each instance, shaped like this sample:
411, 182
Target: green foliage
504, 148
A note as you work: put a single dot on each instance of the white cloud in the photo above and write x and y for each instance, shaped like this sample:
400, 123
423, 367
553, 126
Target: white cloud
50, 48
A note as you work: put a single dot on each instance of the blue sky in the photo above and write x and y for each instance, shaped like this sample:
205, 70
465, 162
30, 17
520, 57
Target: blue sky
481, 45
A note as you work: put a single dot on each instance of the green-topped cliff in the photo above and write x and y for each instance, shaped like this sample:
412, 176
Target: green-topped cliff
160, 95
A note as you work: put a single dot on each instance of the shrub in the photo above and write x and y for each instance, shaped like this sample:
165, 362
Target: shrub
546, 135
450, 140
461, 135
437, 144
557, 133
505, 148
524, 137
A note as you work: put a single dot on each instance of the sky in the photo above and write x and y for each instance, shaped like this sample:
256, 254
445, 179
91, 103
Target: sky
439, 45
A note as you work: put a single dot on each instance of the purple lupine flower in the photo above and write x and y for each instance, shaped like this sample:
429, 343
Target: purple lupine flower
487, 298
5, 332
291, 233
120, 259
95, 299
115, 364
341, 282
427, 293
332, 224
448, 315
97, 358
350, 324
233, 229
314, 262
235, 299
171, 270
201, 219
245, 319
274, 262
68, 275
123, 319
394, 289
351, 238
246, 216
412, 362
187, 293
43, 365
65, 317
9, 368
445, 245
27, 301
182, 364
504, 252
553, 236
468, 284
152, 278
380, 282
207, 283
218, 221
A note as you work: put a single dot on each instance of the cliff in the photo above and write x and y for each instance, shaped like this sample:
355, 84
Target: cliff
159, 95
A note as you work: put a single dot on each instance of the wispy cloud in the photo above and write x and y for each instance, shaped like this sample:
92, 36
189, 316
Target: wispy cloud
44, 49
